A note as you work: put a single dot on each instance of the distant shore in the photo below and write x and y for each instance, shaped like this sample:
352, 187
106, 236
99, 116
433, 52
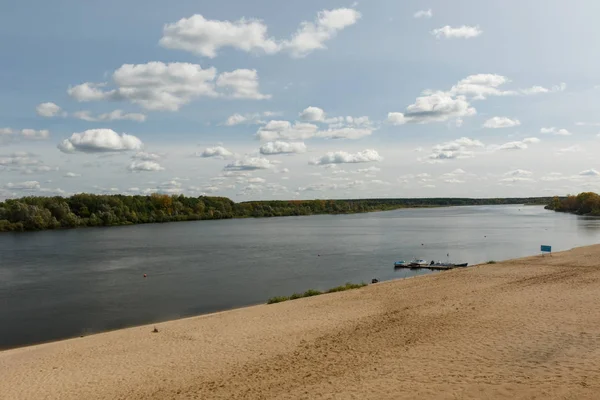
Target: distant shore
516, 329
90, 210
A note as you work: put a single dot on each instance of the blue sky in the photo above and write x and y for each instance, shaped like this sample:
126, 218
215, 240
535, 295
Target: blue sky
358, 99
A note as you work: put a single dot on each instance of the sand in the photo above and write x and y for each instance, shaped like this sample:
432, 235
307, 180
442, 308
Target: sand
521, 329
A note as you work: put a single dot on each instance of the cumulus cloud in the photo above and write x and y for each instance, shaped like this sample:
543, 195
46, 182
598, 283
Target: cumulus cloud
100, 140
462, 32
516, 179
589, 172
501, 122
423, 14
8, 135
249, 164
205, 37
33, 134
312, 114
139, 166
313, 35
459, 148
342, 157
518, 145
116, 115
216, 152
48, 110
556, 131
255, 118
278, 147
518, 172
241, 84
71, 175
571, 149
19, 159
144, 156
540, 89
435, 107
23, 186
159, 86
275, 129
90, 91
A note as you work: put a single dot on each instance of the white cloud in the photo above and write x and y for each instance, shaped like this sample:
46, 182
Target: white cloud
312, 114
555, 131
313, 35
589, 172
48, 110
90, 91
216, 152
10, 135
278, 147
116, 115
479, 86
249, 164
100, 140
19, 159
146, 156
159, 86
342, 157
274, 130
435, 107
71, 175
423, 14
256, 180
237, 119
515, 179
540, 89
24, 186
571, 149
501, 122
205, 37
587, 123
241, 84
518, 172
33, 134
453, 180
517, 145
139, 166
460, 148
463, 32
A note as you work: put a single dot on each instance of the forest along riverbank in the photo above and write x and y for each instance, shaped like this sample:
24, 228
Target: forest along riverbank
518, 329
92, 281
87, 210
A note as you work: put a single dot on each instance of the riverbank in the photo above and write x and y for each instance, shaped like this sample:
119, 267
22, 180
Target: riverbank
526, 328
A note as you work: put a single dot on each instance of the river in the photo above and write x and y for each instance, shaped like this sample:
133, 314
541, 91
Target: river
67, 283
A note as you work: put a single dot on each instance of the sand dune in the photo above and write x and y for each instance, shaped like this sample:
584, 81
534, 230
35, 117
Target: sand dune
524, 329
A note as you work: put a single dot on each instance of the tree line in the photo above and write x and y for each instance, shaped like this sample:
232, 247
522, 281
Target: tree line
83, 210
586, 203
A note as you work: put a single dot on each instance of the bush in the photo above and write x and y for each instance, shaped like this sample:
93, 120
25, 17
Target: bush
491, 262
313, 292
277, 299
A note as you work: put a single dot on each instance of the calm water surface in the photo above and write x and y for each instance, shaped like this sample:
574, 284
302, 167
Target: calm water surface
59, 284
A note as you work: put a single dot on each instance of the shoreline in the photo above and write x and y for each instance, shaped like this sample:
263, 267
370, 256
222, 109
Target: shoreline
431, 337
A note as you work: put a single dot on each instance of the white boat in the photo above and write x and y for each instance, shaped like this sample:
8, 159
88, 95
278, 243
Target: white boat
418, 263
401, 263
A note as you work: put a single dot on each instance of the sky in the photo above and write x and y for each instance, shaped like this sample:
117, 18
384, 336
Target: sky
299, 99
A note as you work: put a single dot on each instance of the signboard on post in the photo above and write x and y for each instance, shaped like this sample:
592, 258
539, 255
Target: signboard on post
546, 249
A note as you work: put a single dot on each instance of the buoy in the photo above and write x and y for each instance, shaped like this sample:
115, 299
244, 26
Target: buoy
145, 276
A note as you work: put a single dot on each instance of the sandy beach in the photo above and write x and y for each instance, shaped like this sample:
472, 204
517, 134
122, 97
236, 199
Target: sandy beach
524, 329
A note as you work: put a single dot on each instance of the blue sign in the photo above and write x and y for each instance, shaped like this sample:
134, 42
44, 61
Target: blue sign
547, 249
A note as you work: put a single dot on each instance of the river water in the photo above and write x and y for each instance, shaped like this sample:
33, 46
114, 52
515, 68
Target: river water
59, 284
